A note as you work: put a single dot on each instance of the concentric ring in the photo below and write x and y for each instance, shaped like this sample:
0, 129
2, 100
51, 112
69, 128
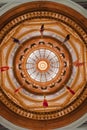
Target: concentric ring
24, 95
42, 65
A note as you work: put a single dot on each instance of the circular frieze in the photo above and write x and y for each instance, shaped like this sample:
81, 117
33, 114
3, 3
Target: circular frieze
42, 65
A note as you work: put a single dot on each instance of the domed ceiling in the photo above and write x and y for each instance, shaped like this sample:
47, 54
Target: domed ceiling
43, 64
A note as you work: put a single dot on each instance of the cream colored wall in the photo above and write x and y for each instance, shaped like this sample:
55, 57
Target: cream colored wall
73, 126
12, 3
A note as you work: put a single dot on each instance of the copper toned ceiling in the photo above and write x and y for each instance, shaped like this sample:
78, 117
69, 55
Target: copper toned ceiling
43, 52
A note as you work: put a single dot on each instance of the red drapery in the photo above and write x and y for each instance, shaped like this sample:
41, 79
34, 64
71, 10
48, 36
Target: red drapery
77, 63
45, 103
42, 30
70, 90
17, 90
4, 68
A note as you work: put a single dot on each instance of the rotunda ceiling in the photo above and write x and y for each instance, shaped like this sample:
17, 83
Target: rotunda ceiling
43, 66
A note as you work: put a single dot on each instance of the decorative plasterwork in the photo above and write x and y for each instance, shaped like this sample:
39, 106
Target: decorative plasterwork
28, 101
54, 58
